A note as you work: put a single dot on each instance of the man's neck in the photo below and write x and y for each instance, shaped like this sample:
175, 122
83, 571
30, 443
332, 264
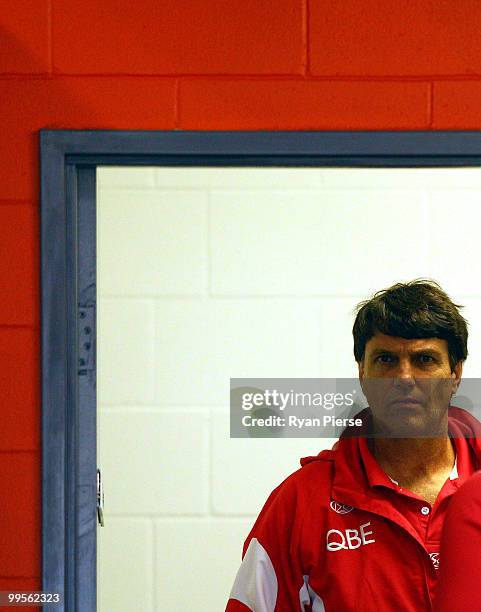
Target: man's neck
421, 465
409, 460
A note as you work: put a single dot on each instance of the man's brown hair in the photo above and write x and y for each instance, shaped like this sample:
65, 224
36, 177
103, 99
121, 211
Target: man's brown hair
417, 309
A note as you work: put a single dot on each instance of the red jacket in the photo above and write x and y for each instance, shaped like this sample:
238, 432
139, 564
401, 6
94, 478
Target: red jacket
460, 574
339, 535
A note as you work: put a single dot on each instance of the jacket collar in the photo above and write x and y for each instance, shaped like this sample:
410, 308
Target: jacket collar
351, 451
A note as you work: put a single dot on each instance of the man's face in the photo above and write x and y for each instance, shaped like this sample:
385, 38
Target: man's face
408, 384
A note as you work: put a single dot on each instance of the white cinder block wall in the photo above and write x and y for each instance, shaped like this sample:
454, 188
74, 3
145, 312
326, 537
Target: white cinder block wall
206, 274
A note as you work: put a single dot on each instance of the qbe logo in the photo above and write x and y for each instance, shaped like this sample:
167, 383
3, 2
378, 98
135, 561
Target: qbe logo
349, 539
340, 508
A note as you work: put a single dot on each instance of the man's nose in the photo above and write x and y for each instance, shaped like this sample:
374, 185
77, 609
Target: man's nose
405, 373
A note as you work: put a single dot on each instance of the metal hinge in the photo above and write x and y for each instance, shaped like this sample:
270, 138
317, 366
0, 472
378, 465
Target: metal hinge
86, 336
100, 499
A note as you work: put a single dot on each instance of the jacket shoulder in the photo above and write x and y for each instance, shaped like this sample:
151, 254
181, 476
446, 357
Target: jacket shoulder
314, 475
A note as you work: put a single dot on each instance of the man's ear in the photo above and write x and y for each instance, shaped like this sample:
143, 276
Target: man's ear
360, 367
456, 375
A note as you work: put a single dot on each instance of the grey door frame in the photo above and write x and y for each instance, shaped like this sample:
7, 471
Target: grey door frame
69, 159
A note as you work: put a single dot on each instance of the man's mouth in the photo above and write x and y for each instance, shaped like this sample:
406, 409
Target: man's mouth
405, 402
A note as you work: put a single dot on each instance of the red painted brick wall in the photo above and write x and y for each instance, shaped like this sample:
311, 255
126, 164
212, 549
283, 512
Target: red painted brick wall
191, 64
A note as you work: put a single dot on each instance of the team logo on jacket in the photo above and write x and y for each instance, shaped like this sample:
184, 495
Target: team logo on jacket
435, 560
340, 508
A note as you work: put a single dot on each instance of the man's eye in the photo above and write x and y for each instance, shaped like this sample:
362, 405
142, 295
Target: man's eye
426, 358
385, 359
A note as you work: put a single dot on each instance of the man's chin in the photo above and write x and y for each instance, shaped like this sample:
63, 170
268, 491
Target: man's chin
408, 426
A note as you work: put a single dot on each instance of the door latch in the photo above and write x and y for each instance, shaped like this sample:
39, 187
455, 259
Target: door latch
100, 499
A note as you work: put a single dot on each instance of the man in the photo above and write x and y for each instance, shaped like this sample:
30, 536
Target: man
358, 527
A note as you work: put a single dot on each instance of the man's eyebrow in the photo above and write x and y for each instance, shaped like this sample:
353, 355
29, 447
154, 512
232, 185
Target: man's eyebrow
426, 351
382, 351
